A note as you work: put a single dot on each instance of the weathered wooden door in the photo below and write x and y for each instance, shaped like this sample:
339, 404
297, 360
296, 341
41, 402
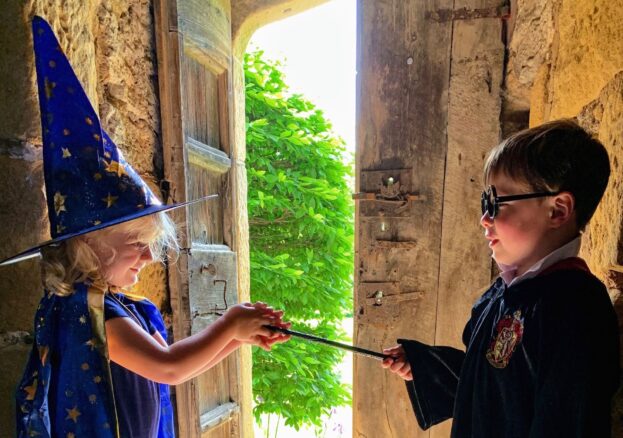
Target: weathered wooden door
194, 67
428, 107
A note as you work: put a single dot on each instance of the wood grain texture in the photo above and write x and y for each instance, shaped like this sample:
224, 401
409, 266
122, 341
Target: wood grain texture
194, 56
428, 112
212, 289
239, 224
168, 50
473, 129
201, 108
403, 71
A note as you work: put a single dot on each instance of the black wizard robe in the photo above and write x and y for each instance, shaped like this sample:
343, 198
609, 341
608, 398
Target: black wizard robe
541, 360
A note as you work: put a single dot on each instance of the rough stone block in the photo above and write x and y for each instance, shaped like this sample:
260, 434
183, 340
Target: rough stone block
22, 215
127, 81
15, 347
603, 240
532, 33
19, 110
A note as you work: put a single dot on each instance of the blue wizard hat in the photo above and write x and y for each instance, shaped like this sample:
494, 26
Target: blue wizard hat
88, 183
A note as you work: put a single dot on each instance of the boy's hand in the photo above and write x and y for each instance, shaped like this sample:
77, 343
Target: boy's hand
397, 363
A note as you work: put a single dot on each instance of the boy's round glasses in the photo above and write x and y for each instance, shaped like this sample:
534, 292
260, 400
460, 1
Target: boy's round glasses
490, 201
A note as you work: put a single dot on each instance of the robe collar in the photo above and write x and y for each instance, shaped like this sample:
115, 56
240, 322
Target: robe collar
571, 249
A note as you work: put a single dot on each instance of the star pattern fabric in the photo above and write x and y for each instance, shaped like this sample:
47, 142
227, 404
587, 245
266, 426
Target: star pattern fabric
87, 179
66, 389
88, 183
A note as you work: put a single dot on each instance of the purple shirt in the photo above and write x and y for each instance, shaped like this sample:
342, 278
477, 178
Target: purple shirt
137, 399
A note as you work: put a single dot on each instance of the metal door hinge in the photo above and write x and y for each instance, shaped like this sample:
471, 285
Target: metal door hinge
442, 15
389, 191
379, 298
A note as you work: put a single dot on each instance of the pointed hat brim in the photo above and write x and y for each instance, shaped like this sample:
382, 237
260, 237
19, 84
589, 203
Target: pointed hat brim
36, 250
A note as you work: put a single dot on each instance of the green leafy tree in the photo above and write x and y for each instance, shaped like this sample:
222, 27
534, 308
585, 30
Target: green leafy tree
301, 243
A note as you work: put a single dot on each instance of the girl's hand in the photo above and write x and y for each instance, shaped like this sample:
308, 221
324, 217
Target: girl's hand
397, 363
248, 321
266, 342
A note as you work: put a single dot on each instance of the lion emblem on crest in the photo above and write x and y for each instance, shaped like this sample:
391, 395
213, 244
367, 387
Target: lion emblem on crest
509, 332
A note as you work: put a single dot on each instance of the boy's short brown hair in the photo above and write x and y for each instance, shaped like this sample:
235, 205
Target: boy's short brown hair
555, 156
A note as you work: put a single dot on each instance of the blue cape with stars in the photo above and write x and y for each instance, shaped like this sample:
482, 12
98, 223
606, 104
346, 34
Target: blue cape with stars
66, 390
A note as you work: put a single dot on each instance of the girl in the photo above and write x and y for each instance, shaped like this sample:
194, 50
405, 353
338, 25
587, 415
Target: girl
100, 362
109, 260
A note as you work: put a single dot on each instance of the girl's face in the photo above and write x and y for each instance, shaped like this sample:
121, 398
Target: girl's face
122, 268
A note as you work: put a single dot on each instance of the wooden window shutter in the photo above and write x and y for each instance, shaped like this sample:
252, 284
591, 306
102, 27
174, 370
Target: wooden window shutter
193, 39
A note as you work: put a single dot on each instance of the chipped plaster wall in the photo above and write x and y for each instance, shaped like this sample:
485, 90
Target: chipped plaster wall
110, 44
565, 60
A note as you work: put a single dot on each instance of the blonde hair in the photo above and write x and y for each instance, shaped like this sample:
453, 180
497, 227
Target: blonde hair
74, 260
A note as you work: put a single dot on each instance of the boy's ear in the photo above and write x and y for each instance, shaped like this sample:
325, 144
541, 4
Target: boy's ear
562, 209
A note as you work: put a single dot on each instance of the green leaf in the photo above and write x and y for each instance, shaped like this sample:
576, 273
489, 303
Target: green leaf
301, 243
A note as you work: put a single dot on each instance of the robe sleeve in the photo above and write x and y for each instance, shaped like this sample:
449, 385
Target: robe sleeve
436, 370
435, 373
578, 366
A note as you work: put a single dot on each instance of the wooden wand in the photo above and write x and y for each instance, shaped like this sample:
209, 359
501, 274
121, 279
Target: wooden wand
351, 348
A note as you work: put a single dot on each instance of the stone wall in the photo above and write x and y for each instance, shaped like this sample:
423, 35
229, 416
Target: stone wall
110, 44
565, 60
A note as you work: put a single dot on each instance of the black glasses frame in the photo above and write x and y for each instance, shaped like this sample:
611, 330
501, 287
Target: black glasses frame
490, 201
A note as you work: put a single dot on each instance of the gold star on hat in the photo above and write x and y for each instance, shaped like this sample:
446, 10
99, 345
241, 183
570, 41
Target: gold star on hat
59, 203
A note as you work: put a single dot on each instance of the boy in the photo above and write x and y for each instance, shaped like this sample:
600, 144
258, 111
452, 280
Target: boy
542, 351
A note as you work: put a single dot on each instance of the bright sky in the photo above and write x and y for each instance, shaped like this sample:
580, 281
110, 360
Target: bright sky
317, 50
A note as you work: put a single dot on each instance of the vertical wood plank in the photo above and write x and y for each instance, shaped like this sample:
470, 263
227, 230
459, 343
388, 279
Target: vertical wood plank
239, 226
473, 129
200, 92
239, 374
403, 71
201, 103
212, 287
168, 43
206, 218
224, 98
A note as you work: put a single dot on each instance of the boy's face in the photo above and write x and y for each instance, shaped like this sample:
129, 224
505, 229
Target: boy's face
130, 257
517, 235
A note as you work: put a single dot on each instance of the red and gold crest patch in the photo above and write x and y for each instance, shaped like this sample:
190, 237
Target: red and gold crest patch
509, 332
